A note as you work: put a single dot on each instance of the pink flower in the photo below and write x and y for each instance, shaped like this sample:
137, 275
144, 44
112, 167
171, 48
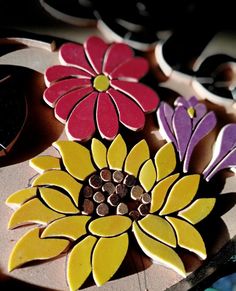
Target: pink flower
97, 86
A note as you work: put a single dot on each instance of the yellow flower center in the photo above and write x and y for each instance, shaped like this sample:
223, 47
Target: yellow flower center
101, 83
191, 112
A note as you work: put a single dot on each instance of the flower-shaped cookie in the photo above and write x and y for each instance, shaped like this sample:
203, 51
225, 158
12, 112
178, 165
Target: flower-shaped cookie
97, 85
91, 201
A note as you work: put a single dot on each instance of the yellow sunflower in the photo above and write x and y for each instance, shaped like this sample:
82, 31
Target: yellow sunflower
86, 202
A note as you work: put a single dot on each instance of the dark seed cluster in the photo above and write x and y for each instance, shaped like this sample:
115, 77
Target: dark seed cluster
114, 192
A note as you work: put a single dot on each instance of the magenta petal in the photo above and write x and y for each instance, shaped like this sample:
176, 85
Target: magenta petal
67, 102
205, 126
95, 49
53, 93
146, 98
130, 113
134, 68
182, 126
73, 54
106, 115
80, 125
58, 72
117, 54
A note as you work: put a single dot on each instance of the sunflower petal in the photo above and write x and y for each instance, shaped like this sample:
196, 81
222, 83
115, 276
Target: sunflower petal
181, 194
198, 210
99, 153
136, 157
158, 251
107, 257
159, 229
44, 163
117, 153
165, 161
72, 227
160, 191
188, 237
60, 179
31, 247
76, 158
147, 176
18, 198
79, 262
33, 211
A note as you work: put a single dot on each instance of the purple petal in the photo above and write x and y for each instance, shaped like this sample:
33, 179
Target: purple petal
181, 101
205, 126
200, 111
193, 101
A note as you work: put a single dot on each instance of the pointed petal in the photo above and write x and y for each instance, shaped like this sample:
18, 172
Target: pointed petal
80, 125
18, 198
116, 54
31, 247
200, 111
160, 192
58, 201
79, 262
58, 72
72, 227
165, 161
106, 115
158, 228
146, 98
181, 101
130, 114
136, 157
188, 237
33, 211
117, 153
158, 251
147, 176
99, 153
44, 163
52, 94
198, 210
95, 49
107, 257
76, 158
66, 103
73, 54
181, 194
60, 179
109, 225
133, 69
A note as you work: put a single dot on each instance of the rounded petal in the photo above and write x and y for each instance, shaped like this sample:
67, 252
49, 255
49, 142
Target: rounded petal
146, 98
130, 114
110, 225
165, 161
117, 153
181, 194
58, 201
31, 247
133, 69
80, 125
99, 153
106, 116
76, 158
198, 210
33, 211
136, 157
107, 257
158, 228
44, 163
60, 179
147, 176
158, 251
18, 198
73, 54
95, 49
79, 262
160, 192
116, 54
188, 237
72, 227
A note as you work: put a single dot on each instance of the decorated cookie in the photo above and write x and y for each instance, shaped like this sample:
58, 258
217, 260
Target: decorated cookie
97, 87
